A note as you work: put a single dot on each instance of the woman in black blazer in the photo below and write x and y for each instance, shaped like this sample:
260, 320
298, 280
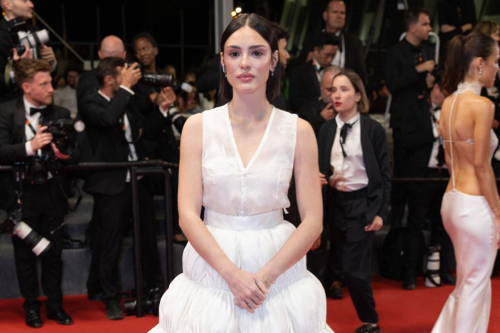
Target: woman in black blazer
355, 163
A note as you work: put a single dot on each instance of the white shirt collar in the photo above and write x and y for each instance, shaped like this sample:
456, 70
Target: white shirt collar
28, 106
102, 94
340, 123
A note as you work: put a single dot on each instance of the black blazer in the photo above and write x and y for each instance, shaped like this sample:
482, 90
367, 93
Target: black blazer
354, 53
304, 86
104, 125
13, 140
407, 86
375, 156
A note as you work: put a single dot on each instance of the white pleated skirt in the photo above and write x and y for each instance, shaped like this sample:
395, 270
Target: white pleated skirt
199, 300
471, 226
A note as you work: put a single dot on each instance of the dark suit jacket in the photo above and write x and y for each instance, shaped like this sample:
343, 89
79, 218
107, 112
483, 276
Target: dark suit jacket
406, 85
304, 86
104, 126
87, 84
375, 156
311, 113
13, 140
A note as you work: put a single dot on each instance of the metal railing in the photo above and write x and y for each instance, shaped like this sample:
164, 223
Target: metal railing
139, 169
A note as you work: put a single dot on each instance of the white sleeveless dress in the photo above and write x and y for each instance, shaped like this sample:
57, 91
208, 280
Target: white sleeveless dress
470, 223
244, 213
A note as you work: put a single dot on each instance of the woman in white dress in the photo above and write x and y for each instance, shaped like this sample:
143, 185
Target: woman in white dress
471, 206
244, 267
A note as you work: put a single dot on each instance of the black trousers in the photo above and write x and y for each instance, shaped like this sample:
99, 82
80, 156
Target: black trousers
424, 204
116, 211
44, 207
354, 249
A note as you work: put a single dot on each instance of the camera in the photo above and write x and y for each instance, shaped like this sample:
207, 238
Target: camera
32, 39
13, 224
150, 303
177, 119
37, 169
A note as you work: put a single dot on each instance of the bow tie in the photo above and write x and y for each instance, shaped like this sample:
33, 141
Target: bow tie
35, 110
319, 69
437, 108
343, 135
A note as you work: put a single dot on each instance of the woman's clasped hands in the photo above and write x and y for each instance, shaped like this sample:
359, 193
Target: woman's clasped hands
249, 289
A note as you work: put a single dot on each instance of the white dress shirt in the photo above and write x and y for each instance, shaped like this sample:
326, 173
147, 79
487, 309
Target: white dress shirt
32, 120
339, 59
351, 167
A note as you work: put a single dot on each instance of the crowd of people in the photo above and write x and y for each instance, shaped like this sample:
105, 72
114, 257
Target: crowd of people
282, 124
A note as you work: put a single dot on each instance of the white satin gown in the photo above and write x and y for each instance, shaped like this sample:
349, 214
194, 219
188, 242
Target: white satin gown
244, 213
470, 223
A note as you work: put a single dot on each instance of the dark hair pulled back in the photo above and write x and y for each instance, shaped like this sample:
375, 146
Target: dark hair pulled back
461, 50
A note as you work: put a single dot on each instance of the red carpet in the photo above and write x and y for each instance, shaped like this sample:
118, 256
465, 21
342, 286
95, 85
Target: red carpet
400, 311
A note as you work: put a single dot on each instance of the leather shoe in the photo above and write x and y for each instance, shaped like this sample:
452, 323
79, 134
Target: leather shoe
367, 328
447, 278
335, 291
113, 310
33, 319
409, 284
71, 244
60, 316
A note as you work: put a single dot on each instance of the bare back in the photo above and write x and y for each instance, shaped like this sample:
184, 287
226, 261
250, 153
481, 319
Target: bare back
465, 125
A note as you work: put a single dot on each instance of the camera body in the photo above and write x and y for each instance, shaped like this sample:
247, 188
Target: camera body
31, 39
13, 224
37, 168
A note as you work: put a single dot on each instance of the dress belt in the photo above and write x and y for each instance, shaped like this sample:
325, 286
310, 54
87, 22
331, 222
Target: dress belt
242, 223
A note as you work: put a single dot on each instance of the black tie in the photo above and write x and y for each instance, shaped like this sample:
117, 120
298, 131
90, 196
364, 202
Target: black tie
35, 110
343, 135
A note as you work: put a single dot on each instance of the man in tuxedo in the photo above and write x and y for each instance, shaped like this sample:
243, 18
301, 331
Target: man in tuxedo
24, 138
350, 51
304, 81
111, 46
17, 9
115, 134
322, 110
407, 69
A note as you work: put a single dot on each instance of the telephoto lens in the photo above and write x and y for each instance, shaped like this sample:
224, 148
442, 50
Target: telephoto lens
38, 244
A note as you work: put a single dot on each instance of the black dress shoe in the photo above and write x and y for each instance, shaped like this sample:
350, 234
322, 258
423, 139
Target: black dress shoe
113, 310
33, 319
96, 296
60, 316
409, 284
71, 244
367, 328
335, 293
447, 278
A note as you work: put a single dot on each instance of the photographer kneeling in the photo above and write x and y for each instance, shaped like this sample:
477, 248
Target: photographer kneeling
24, 137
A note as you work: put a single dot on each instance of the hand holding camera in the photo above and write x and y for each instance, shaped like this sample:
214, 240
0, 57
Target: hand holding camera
26, 55
47, 54
41, 139
131, 75
426, 66
167, 96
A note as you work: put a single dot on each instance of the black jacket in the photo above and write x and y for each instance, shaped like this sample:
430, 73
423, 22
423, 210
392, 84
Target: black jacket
13, 140
375, 157
311, 113
304, 86
104, 126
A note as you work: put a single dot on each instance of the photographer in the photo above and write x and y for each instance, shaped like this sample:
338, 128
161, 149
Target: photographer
24, 138
17, 12
116, 134
408, 72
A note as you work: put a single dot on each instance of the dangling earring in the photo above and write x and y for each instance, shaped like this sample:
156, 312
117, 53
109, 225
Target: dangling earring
272, 73
224, 70
480, 71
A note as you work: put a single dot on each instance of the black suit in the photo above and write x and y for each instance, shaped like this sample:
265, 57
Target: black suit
304, 86
353, 51
44, 207
350, 212
87, 84
104, 124
311, 113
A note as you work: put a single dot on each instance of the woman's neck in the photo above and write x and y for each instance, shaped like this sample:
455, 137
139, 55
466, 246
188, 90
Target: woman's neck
249, 107
348, 115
